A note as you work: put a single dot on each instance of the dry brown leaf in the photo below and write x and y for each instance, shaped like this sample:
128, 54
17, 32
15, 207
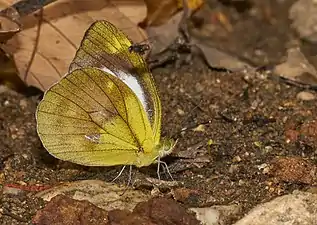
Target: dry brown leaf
105, 195
9, 21
46, 46
297, 67
160, 11
6, 3
9, 26
164, 35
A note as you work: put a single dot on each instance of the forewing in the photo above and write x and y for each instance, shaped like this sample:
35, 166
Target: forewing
107, 48
92, 118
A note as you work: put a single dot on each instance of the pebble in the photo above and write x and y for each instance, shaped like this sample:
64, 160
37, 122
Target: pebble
296, 208
305, 96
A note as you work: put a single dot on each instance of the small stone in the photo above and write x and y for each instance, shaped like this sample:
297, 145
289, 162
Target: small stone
207, 215
291, 135
262, 166
296, 208
233, 168
236, 159
65, 210
6, 103
23, 103
180, 112
266, 170
217, 214
241, 182
293, 169
166, 211
305, 96
186, 195
267, 149
199, 128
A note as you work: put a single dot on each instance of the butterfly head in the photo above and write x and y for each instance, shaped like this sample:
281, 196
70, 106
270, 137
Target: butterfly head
166, 147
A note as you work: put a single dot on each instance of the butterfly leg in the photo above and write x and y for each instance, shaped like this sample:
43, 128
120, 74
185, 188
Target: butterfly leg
158, 168
119, 173
129, 180
166, 169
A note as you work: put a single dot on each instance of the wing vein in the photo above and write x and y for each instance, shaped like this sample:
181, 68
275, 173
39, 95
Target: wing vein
86, 111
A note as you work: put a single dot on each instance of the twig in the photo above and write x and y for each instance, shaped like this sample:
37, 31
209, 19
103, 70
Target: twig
298, 84
269, 70
25, 7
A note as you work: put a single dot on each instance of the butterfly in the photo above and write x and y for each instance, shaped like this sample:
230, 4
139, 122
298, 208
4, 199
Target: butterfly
106, 110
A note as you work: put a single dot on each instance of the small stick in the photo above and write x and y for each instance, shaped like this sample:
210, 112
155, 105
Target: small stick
25, 7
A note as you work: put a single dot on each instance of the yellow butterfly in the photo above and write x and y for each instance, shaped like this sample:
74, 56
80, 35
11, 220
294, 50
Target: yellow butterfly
106, 111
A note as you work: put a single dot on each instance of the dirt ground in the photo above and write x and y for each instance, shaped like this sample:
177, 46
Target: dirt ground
248, 122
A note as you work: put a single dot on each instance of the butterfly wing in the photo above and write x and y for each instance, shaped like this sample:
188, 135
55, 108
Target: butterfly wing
93, 118
107, 48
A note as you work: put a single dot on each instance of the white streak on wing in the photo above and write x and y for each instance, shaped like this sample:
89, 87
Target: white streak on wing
132, 83
93, 138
